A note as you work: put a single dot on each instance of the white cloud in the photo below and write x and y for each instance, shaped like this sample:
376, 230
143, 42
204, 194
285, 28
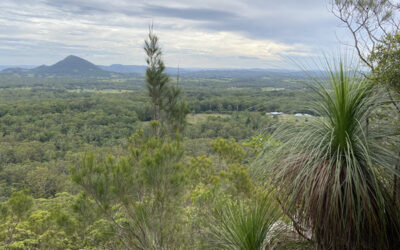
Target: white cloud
113, 31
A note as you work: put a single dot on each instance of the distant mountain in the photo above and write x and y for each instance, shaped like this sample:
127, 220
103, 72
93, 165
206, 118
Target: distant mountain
71, 66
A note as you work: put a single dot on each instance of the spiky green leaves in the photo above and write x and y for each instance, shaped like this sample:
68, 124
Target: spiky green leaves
333, 173
243, 226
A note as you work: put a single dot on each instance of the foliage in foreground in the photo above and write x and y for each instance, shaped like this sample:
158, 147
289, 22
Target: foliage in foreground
334, 176
138, 193
246, 226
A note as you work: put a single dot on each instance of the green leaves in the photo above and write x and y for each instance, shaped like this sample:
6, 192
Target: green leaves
39, 224
20, 203
386, 56
246, 226
176, 110
228, 150
167, 104
139, 194
333, 173
156, 79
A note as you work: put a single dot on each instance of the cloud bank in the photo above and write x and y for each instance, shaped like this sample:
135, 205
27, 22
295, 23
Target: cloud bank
220, 34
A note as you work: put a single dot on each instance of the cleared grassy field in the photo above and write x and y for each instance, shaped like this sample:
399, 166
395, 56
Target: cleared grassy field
272, 89
101, 91
196, 118
292, 118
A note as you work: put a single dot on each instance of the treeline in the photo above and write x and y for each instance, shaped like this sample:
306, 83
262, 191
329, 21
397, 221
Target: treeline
228, 100
51, 83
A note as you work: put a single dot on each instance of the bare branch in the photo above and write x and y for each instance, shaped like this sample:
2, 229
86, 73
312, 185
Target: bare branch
368, 22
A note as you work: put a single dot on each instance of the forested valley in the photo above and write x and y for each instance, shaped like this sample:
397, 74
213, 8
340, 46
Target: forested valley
48, 131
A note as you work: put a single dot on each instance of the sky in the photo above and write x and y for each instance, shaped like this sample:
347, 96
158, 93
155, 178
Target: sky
192, 33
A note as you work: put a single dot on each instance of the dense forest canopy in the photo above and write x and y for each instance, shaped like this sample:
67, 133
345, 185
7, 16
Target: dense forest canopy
50, 124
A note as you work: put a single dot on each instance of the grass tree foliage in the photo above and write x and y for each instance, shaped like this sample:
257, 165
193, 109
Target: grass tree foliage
334, 174
242, 226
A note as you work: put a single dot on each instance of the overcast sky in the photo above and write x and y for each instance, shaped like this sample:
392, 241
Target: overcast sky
206, 33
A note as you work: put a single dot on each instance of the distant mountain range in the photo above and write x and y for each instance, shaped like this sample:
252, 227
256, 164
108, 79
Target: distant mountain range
73, 66
19, 66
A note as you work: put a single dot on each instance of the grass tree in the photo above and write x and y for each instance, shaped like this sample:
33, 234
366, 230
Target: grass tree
333, 174
246, 226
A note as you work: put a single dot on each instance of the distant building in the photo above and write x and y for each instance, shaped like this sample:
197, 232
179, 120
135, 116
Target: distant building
301, 115
276, 113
